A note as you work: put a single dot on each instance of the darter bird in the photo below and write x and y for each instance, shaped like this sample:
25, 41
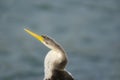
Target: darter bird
55, 60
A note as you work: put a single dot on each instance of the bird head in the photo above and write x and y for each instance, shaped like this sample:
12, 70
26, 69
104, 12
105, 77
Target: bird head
47, 41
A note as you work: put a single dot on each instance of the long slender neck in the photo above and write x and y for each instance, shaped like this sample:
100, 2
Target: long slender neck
59, 48
53, 45
62, 52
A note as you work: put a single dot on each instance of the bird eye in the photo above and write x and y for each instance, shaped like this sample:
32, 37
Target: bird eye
44, 36
46, 39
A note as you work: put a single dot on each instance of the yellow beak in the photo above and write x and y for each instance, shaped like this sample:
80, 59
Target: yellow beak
40, 38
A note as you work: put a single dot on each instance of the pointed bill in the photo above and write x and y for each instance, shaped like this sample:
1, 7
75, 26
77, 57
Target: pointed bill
40, 38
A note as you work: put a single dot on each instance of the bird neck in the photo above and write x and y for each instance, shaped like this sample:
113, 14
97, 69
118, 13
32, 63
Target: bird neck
59, 48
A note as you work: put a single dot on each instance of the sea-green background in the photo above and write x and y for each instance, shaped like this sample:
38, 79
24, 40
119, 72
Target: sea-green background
89, 31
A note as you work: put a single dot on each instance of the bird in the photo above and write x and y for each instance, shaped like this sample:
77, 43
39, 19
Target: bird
56, 59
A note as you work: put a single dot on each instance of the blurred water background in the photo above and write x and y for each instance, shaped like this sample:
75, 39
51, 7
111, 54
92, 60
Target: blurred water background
89, 30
